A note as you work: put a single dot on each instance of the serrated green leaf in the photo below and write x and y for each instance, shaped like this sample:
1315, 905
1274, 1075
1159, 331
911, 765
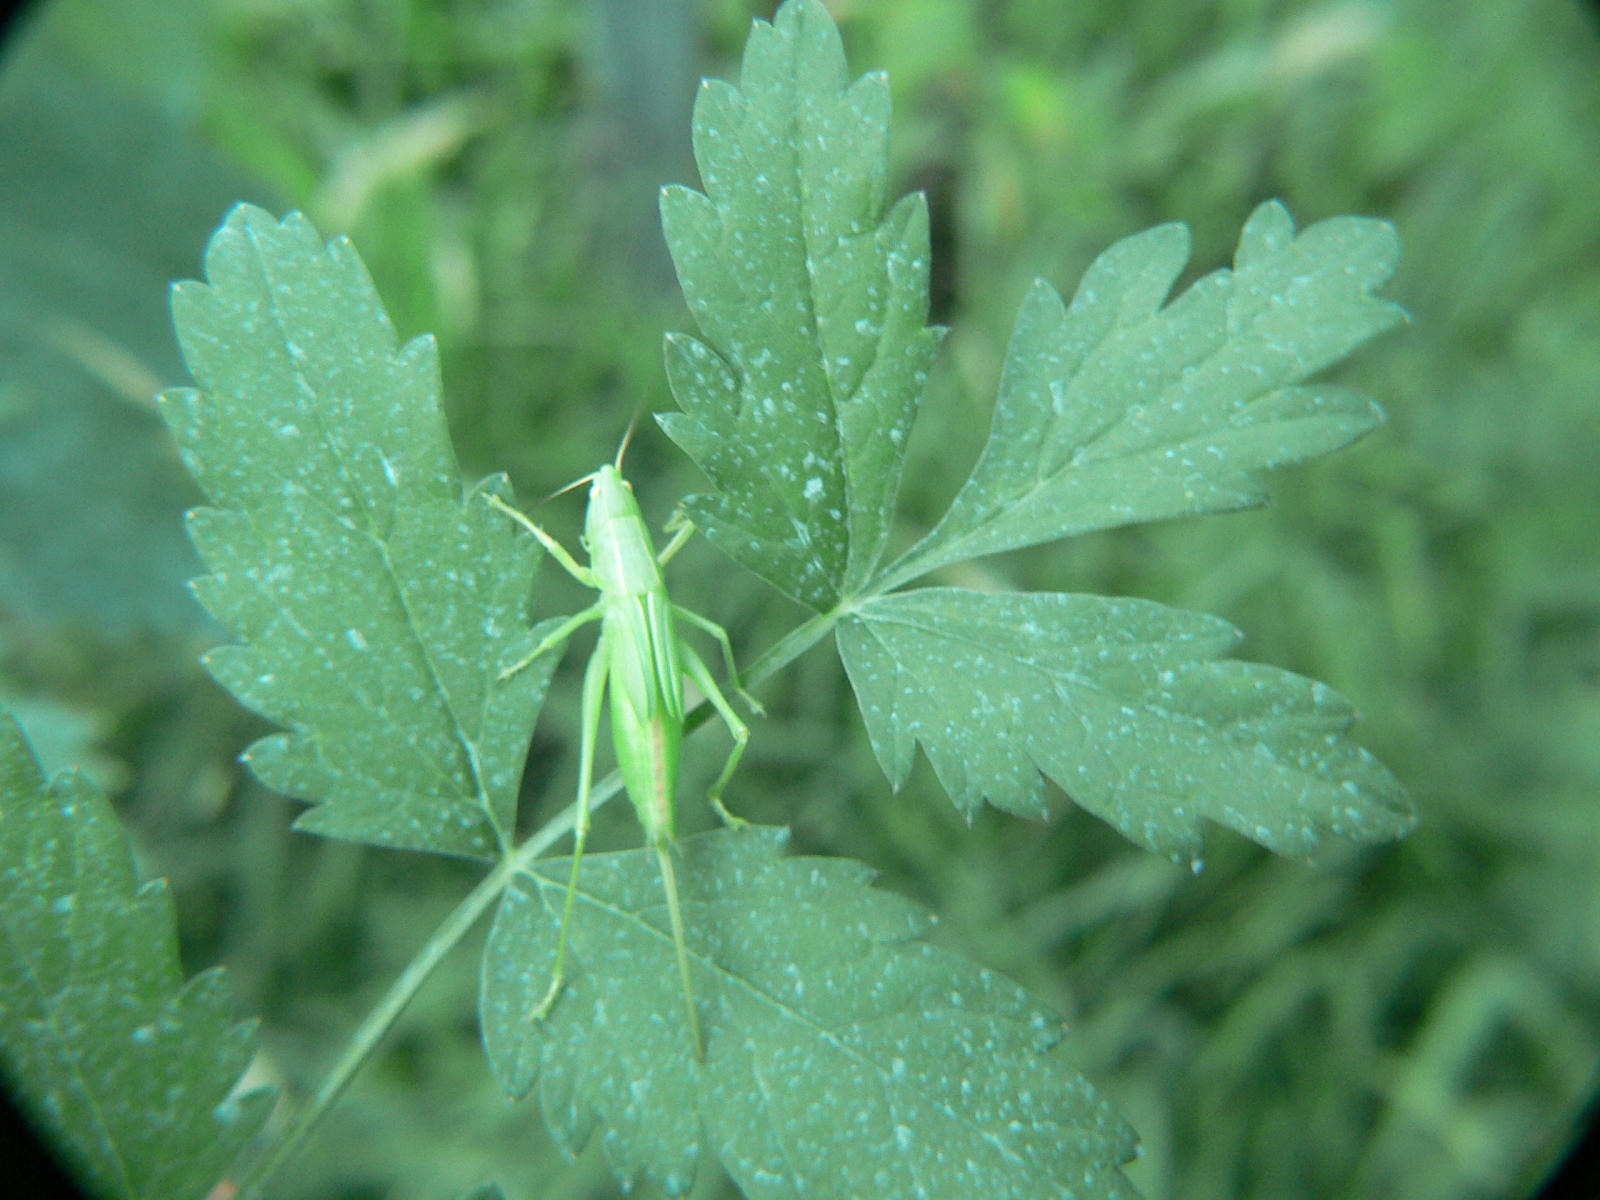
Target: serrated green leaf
1120, 409
813, 304
128, 1067
844, 1056
375, 601
1122, 702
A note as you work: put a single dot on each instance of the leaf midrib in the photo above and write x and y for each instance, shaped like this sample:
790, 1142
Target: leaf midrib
798, 145
930, 554
1212, 733
466, 744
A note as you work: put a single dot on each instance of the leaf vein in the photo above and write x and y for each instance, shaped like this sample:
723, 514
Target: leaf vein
444, 773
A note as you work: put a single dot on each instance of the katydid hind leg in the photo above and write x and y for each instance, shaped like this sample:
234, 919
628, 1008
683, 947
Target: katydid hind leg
695, 668
669, 882
594, 684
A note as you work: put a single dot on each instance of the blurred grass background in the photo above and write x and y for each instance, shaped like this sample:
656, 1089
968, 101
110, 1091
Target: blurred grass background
1417, 1022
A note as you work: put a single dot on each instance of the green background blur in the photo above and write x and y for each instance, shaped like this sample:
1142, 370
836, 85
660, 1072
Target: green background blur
1417, 1022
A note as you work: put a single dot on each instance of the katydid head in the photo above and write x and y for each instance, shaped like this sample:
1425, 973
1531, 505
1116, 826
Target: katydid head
610, 498
610, 495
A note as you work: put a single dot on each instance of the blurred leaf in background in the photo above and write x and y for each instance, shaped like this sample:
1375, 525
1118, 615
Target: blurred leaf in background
100, 204
1418, 1022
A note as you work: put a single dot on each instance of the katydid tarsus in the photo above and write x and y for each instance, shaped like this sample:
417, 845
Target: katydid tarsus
640, 658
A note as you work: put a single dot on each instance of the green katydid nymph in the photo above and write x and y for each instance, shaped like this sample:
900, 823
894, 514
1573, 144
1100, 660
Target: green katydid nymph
640, 657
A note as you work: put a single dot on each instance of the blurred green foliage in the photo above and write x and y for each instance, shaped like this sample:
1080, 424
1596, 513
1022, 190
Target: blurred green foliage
1419, 1021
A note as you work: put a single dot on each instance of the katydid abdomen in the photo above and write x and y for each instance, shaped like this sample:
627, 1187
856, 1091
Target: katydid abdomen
648, 748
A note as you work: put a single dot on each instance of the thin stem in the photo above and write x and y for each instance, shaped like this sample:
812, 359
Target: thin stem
909, 566
793, 644
777, 656
364, 1043
387, 1011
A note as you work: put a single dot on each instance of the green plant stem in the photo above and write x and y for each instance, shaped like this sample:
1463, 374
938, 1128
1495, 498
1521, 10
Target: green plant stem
792, 645
900, 572
387, 1011
364, 1043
